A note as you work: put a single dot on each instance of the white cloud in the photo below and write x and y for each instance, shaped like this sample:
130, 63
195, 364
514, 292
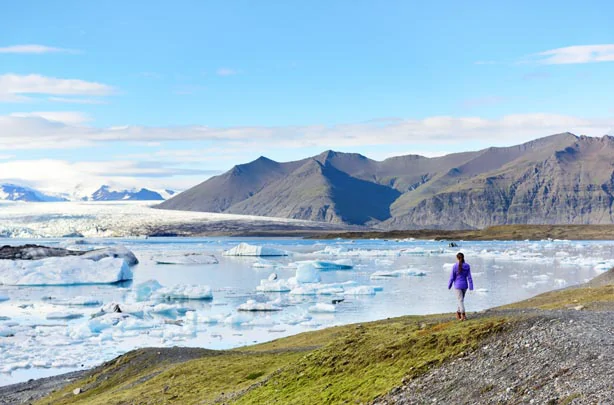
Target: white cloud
575, 54
66, 117
226, 72
74, 100
15, 87
38, 132
33, 49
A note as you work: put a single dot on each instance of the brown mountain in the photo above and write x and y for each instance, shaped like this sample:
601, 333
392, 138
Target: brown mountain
560, 179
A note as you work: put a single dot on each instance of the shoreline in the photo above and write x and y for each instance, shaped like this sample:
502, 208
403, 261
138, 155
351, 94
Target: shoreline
37, 389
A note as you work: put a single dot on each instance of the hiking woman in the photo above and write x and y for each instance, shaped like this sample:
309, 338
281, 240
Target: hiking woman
461, 279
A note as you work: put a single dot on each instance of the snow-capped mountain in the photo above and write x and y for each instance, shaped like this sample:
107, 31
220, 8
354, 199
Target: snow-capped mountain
106, 193
14, 192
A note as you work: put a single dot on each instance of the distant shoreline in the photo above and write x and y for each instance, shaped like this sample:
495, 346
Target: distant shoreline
499, 232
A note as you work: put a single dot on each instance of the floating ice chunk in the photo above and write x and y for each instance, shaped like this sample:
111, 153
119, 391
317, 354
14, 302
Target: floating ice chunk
304, 290
343, 264
76, 301
117, 252
383, 274
3, 298
143, 291
273, 286
165, 310
330, 291
185, 259
604, 265
252, 305
184, 292
411, 272
263, 264
559, 282
6, 331
481, 290
514, 276
541, 277
64, 271
384, 262
64, 315
322, 308
244, 249
238, 319
100, 323
212, 318
561, 254
306, 273
360, 290
266, 321
529, 285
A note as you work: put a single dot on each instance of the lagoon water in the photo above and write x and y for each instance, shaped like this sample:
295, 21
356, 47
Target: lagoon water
33, 345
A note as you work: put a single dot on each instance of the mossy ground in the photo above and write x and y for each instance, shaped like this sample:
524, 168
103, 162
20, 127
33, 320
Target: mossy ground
345, 364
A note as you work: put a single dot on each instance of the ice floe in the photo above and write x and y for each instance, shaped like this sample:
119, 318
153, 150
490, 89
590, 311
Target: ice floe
64, 271
383, 274
184, 292
342, 264
252, 305
245, 249
322, 308
307, 273
185, 259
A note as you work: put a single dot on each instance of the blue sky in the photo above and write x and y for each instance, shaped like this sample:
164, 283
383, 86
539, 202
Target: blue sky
165, 94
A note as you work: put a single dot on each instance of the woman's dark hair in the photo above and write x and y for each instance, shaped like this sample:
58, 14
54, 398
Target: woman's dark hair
461, 260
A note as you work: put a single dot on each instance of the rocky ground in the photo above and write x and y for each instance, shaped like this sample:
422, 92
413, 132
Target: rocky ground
555, 357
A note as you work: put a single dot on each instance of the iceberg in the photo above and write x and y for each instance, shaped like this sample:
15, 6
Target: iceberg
252, 305
360, 290
343, 264
184, 292
383, 274
144, 290
63, 316
244, 249
188, 258
64, 271
273, 286
322, 308
3, 298
307, 273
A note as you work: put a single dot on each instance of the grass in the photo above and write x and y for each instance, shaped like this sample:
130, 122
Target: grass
345, 364
348, 363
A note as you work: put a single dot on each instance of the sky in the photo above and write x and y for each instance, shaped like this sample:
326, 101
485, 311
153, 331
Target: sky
163, 94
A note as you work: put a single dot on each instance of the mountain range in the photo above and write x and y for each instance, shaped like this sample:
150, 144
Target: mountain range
559, 179
13, 192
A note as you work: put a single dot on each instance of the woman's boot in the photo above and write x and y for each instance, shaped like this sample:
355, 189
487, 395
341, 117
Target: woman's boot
463, 317
458, 315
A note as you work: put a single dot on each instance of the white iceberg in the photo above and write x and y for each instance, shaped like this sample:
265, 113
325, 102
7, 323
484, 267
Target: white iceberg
306, 273
360, 290
244, 249
184, 292
253, 306
343, 264
322, 308
273, 286
144, 290
383, 274
64, 271
63, 315
75, 301
185, 259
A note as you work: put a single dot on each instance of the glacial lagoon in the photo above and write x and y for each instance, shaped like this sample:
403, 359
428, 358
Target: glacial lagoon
46, 330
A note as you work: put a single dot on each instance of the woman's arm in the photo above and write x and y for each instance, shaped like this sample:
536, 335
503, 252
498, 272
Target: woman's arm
452, 277
469, 279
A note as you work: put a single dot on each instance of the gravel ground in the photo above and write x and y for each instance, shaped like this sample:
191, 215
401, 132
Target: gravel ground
554, 357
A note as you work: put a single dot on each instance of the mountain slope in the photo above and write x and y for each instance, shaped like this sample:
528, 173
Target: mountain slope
559, 179
13, 192
105, 193
320, 192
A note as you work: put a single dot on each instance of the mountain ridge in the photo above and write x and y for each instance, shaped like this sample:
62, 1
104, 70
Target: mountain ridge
558, 179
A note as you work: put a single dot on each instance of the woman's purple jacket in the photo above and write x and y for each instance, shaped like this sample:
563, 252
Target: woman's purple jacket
463, 280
